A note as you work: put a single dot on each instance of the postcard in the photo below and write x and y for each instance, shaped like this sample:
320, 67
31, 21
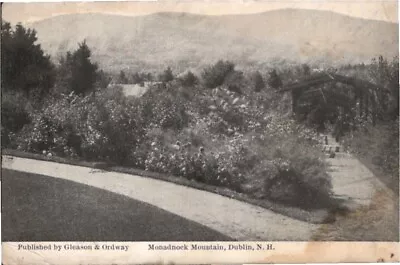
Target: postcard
200, 132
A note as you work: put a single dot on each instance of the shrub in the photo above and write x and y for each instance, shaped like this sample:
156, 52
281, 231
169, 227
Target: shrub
14, 115
84, 126
258, 82
14, 112
166, 76
163, 109
213, 136
188, 79
274, 80
302, 178
215, 75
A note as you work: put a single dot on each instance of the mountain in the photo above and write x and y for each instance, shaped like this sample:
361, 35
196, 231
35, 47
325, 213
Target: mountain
184, 40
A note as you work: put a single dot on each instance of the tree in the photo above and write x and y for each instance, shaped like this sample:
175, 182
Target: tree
76, 72
215, 75
234, 81
306, 70
167, 75
137, 78
189, 79
103, 79
24, 67
386, 74
274, 80
258, 82
122, 78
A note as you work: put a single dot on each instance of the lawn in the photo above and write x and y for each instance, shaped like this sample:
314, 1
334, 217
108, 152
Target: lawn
41, 208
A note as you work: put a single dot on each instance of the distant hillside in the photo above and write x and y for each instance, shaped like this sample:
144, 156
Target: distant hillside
184, 40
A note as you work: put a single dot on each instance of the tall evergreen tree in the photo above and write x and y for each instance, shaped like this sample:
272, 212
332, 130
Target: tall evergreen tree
24, 66
167, 75
274, 80
189, 79
76, 72
258, 82
306, 70
137, 78
122, 78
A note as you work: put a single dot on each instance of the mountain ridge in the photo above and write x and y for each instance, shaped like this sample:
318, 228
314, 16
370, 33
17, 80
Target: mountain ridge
210, 15
187, 40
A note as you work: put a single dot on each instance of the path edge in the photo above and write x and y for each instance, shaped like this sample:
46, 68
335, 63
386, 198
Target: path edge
321, 216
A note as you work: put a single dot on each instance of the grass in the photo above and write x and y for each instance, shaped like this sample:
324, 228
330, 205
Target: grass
41, 208
317, 216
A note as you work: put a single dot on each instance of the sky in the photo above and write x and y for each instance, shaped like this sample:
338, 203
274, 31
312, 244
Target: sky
30, 12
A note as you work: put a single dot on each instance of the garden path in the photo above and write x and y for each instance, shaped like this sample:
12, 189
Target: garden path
351, 180
231, 217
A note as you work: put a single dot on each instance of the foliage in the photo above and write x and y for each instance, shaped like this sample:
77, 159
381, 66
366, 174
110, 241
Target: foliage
222, 131
235, 81
84, 126
14, 115
166, 76
258, 81
122, 79
237, 147
24, 67
76, 72
139, 78
102, 79
274, 80
214, 75
160, 107
304, 70
189, 79
386, 74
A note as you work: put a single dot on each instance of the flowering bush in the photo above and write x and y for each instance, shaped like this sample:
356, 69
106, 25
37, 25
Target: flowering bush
214, 136
160, 108
83, 126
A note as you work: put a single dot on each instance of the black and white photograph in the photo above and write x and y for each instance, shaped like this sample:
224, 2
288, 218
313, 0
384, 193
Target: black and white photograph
206, 121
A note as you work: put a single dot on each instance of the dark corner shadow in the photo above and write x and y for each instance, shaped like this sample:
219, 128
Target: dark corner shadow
42, 208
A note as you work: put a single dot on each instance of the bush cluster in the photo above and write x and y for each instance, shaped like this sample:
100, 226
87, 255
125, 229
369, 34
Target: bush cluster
223, 128
84, 127
224, 139
219, 129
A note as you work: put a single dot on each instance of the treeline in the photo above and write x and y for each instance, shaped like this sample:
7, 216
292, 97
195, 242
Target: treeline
27, 71
210, 77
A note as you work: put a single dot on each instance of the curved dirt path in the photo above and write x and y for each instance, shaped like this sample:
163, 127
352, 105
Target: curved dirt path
351, 180
230, 217
374, 207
